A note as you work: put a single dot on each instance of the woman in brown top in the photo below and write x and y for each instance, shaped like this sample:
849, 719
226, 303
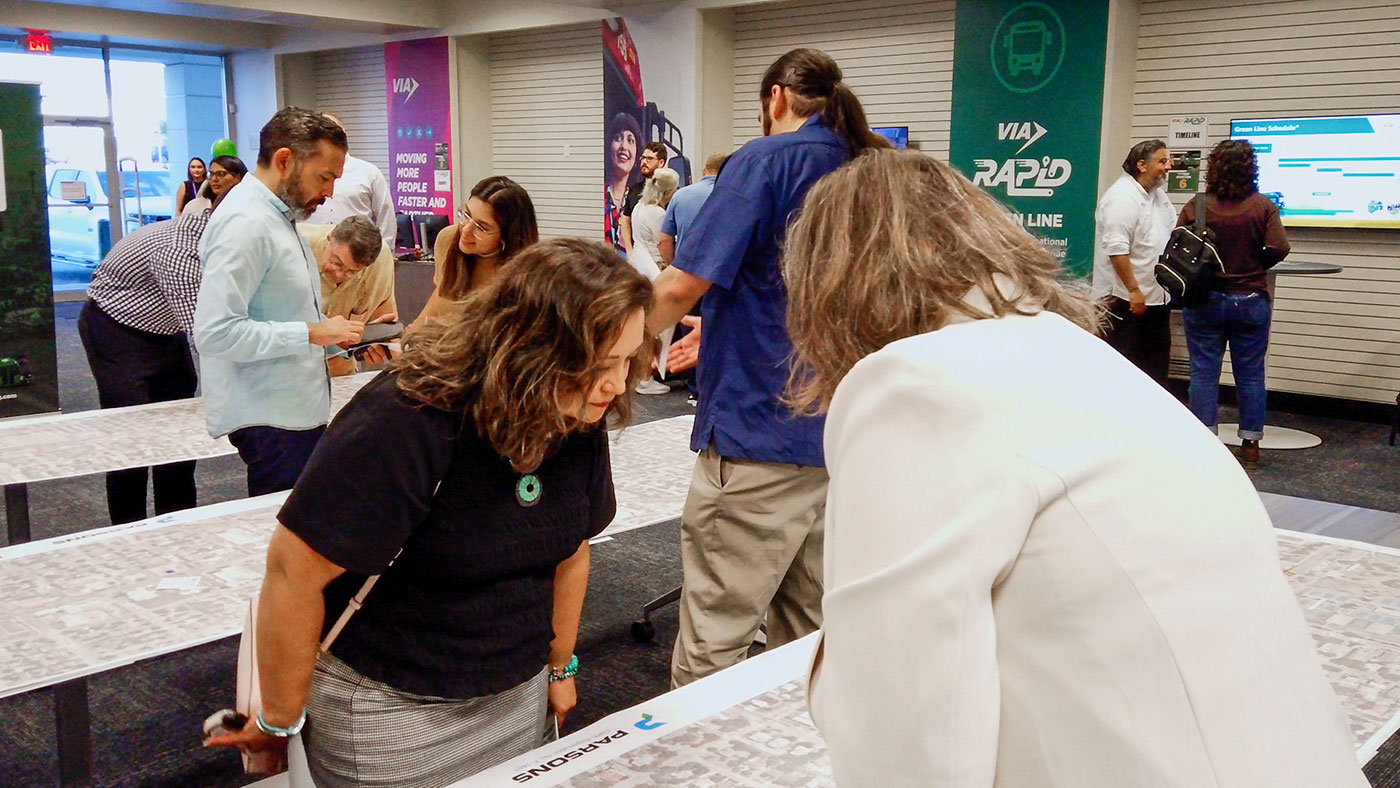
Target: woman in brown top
1250, 240
497, 221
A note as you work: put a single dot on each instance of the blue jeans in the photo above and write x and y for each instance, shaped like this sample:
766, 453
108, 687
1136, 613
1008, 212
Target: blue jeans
1242, 321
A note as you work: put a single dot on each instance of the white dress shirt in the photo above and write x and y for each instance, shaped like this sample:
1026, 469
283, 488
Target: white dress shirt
1020, 593
359, 191
1131, 221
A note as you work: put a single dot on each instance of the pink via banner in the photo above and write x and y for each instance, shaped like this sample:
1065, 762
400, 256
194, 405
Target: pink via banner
420, 126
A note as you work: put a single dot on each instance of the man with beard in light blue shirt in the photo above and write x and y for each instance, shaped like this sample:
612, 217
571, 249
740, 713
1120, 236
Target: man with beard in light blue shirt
258, 327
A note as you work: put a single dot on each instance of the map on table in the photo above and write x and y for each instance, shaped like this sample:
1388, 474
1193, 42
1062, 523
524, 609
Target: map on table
652, 465
95, 441
1350, 595
95, 600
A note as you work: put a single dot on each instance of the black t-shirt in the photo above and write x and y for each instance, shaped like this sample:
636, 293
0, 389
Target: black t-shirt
633, 196
465, 610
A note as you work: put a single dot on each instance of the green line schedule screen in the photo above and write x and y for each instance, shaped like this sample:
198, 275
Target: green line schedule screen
1341, 171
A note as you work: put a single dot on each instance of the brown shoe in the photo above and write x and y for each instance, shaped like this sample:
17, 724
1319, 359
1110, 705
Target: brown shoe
1249, 454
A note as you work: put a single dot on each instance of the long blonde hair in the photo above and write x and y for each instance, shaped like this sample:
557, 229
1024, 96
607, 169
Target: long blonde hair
527, 343
888, 247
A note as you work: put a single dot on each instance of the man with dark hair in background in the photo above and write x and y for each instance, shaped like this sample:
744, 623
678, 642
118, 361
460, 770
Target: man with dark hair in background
1132, 224
751, 532
653, 156
258, 325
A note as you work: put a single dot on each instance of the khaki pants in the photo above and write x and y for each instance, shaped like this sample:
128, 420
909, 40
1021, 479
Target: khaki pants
751, 542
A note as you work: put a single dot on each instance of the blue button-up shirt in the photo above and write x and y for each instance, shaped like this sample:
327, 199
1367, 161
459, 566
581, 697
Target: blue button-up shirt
734, 244
261, 287
685, 206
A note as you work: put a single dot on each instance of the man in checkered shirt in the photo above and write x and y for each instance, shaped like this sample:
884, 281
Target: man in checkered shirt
135, 328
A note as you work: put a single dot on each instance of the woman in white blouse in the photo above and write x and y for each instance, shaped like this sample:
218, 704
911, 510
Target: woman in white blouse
646, 221
1041, 571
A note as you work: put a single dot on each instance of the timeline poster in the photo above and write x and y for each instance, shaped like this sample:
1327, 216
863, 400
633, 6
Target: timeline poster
418, 85
1027, 107
28, 358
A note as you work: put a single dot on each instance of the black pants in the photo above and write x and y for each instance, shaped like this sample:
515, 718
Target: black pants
274, 456
134, 367
1145, 340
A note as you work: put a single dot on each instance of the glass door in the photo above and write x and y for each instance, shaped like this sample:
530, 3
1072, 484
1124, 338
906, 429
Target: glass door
85, 216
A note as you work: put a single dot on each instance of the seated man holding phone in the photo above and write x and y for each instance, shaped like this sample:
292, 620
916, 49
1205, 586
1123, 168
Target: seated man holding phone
357, 283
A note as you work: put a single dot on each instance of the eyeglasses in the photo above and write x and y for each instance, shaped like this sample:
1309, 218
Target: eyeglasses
478, 229
650, 157
220, 174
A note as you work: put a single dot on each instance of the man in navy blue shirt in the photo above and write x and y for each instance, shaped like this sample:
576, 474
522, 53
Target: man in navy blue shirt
751, 538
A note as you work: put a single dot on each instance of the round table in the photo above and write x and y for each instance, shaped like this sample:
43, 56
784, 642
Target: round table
1282, 437
1304, 267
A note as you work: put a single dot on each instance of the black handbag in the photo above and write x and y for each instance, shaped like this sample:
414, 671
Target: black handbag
1187, 267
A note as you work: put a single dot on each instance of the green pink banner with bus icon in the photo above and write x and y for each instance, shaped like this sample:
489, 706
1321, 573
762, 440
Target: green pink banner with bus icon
28, 361
1028, 83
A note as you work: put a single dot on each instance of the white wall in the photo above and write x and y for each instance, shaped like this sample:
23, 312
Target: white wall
254, 80
897, 55
471, 125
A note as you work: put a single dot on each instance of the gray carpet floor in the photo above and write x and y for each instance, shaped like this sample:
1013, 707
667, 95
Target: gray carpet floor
146, 717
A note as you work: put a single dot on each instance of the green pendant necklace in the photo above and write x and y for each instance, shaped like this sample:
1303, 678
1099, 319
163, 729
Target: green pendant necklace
528, 490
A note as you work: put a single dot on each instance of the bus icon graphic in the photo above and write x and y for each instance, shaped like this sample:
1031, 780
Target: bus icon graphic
1027, 47
1025, 43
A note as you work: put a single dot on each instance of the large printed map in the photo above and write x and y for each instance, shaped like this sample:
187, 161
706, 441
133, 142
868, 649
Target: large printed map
1350, 595
95, 600
94, 441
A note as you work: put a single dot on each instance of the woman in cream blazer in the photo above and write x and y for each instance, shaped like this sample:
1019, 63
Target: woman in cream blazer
1041, 571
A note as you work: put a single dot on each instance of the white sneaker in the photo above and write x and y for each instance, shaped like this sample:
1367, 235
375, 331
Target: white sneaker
652, 387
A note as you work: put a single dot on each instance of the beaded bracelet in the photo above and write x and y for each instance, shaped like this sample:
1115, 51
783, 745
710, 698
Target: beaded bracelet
567, 672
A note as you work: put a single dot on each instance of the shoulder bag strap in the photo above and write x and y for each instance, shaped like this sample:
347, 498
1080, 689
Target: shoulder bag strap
1200, 223
358, 600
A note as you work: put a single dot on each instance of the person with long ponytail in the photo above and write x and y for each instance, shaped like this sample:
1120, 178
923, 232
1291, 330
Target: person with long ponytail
751, 534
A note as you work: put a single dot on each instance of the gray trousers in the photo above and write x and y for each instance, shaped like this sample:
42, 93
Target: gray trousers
751, 544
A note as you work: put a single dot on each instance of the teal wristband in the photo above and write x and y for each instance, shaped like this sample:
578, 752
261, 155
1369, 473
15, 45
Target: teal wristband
567, 672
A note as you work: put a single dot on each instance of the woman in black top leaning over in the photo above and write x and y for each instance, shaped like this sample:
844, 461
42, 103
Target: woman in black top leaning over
464, 648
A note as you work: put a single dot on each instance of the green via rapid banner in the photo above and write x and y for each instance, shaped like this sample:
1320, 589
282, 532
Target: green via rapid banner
28, 361
1027, 107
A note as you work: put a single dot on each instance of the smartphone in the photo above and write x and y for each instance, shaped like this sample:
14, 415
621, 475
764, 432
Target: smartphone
378, 332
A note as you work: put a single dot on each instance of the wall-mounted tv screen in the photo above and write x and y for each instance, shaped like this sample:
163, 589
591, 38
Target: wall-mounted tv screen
1335, 171
897, 135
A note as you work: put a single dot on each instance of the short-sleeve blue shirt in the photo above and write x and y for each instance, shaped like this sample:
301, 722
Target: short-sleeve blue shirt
734, 244
685, 205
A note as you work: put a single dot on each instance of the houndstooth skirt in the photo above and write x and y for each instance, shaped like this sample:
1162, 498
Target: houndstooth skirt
362, 733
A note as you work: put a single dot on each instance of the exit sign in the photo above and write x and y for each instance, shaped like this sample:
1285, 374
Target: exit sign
39, 41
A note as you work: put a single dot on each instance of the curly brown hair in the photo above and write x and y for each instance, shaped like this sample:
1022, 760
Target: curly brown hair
528, 344
888, 247
1232, 171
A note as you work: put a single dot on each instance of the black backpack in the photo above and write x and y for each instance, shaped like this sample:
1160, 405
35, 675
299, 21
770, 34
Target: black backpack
1189, 263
